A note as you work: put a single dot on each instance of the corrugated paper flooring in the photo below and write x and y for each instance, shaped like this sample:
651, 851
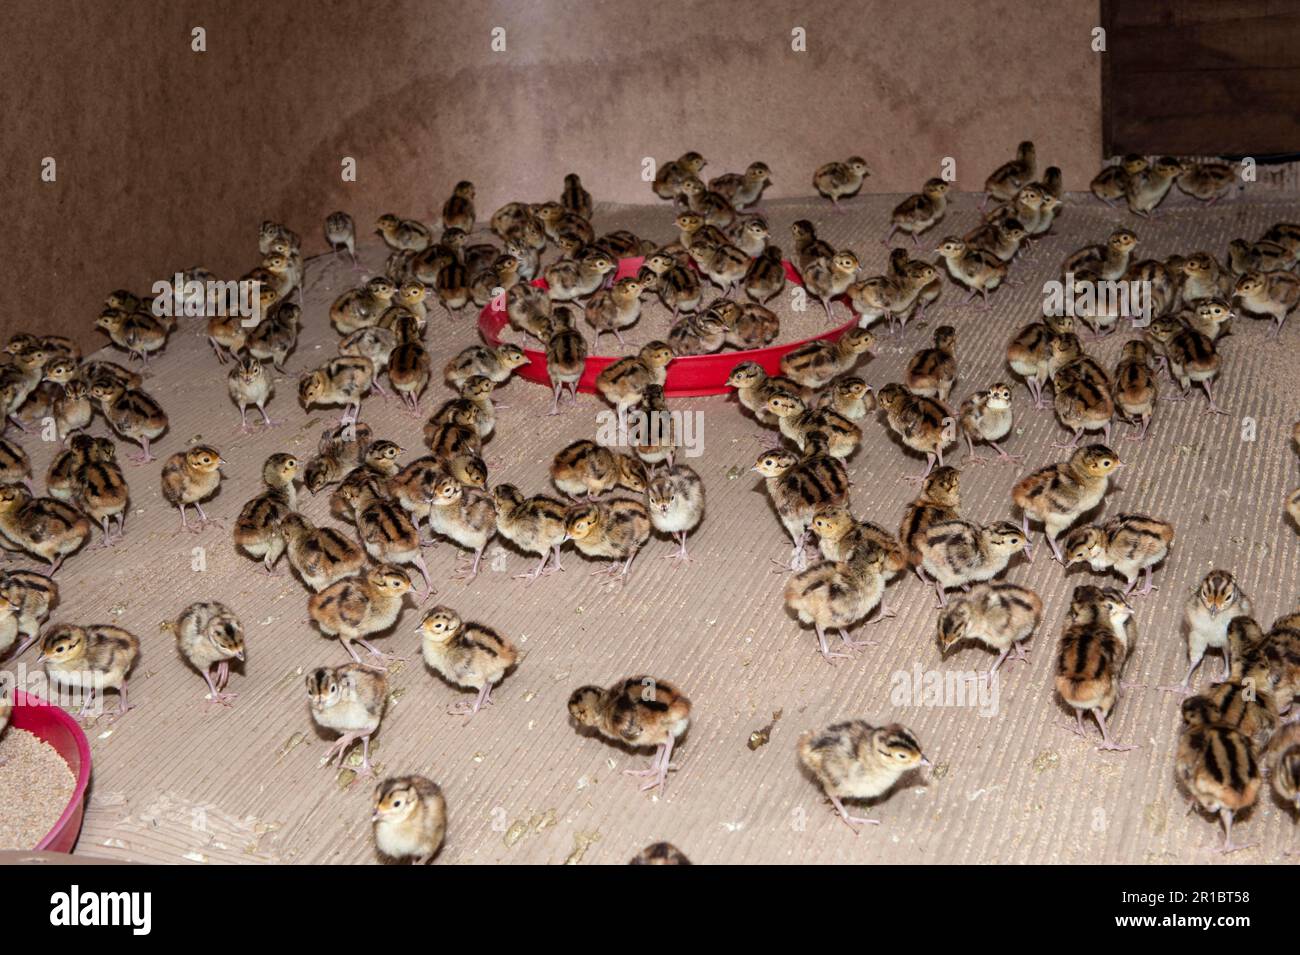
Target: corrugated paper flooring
178, 780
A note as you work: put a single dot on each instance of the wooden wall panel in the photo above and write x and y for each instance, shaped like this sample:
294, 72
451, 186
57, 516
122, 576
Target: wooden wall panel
1197, 77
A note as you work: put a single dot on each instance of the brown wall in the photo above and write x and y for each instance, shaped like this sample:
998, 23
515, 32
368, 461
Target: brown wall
169, 158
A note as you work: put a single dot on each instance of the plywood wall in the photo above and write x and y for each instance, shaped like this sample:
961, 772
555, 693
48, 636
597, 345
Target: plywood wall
168, 158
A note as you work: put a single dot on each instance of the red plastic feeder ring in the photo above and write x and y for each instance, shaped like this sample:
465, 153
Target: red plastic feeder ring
689, 376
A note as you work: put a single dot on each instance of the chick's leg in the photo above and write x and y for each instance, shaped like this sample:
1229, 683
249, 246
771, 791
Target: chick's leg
267, 420
420, 565
1107, 743
1209, 394
850, 820
825, 647
144, 457
536, 571
214, 692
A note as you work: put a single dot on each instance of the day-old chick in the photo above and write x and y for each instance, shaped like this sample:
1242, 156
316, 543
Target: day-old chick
816, 363
840, 535
409, 818
1030, 351
71, 409
132, 414
933, 371
322, 556
250, 384
675, 501
1208, 181
748, 326
1245, 706
15, 466
1189, 357
751, 235
42, 526
350, 701
1273, 294
616, 308
850, 396
468, 655
958, 553
1005, 181
458, 210
999, 615
919, 212
1212, 317
361, 307
1109, 261
797, 488
639, 711
190, 477
496, 364
536, 525
623, 382
585, 468
840, 180
1147, 189
568, 279
855, 760
258, 528
1127, 544
138, 333
30, 596
90, 659
1059, 494
986, 416
838, 595
387, 534
829, 277
1134, 387
1208, 613
755, 387
61, 478
743, 189
1283, 761
922, 424
1111, 184
1091, 656
670, 175
977, 271
409, 368
340, 381
340, 230
101, 489
465, 515
399, 233
566, 360
677, 286
1217, 766
359, 606
376, 344
700, 334
797, 422
1082, 399
616, 529
660, 853
209, 636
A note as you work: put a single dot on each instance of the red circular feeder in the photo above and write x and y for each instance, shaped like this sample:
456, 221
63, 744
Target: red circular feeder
58, 729
689, 376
